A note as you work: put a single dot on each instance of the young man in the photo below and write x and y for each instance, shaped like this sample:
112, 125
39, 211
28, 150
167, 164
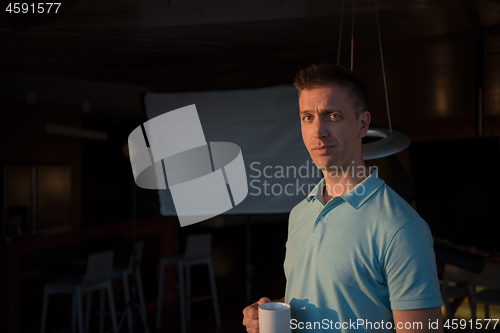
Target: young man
358, 257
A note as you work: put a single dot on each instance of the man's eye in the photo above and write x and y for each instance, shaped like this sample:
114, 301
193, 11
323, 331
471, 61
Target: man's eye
306, 118
335, 116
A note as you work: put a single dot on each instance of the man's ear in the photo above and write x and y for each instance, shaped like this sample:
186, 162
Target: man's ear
364, 121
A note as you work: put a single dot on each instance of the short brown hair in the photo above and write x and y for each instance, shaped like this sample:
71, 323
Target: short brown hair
325, 75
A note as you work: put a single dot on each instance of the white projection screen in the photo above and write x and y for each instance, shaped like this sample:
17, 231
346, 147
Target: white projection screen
265, 124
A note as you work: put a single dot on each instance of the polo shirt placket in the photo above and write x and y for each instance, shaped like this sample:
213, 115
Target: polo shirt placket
323, 218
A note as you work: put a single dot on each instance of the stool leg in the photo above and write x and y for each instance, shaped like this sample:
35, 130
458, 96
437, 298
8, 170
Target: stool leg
79, 309
111, 300
73, 312
87, 311
160, 295
45, 304
473, 307
486, 311
214, 292
182, 296
449, 313
101, 310
140, 292
188, 292
126, 290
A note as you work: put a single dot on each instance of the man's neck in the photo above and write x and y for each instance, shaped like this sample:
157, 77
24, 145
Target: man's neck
343, 179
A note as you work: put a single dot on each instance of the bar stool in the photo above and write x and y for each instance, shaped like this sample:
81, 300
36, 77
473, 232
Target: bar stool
489, 293
97, 277
123, 273
466, 286
198, 252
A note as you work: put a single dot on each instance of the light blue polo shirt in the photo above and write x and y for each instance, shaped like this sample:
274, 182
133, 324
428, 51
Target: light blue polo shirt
360, 256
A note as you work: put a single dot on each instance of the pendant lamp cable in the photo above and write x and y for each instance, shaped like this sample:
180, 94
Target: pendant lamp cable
352, 34
383, 68
352, 52
340, 34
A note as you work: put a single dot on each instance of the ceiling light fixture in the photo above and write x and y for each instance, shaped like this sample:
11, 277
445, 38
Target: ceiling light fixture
76, 132
391, 141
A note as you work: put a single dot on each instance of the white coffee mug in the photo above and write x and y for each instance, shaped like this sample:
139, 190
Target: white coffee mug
274, 317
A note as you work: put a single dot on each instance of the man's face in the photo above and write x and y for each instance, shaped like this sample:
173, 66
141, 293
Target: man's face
330, 130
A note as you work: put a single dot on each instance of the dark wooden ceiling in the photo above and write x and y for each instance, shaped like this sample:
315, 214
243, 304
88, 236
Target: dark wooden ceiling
202, 44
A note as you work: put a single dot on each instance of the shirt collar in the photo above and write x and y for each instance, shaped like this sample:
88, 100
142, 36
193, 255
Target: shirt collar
317, 192
356, 196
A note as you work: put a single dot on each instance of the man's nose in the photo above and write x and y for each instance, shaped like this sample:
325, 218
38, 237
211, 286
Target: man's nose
319, 129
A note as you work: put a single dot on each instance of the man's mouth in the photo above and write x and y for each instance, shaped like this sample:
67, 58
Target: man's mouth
321, 150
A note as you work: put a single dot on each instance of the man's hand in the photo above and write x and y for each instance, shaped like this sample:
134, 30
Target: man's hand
251, 315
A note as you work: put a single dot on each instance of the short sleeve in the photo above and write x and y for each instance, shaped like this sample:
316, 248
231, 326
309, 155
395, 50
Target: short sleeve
410, 268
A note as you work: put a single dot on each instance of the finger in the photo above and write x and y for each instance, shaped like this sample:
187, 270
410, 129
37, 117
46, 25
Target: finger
251, 323
264, 300
251, 311
253, 327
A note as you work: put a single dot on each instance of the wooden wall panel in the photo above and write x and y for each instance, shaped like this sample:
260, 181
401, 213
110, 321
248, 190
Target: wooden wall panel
24, 141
